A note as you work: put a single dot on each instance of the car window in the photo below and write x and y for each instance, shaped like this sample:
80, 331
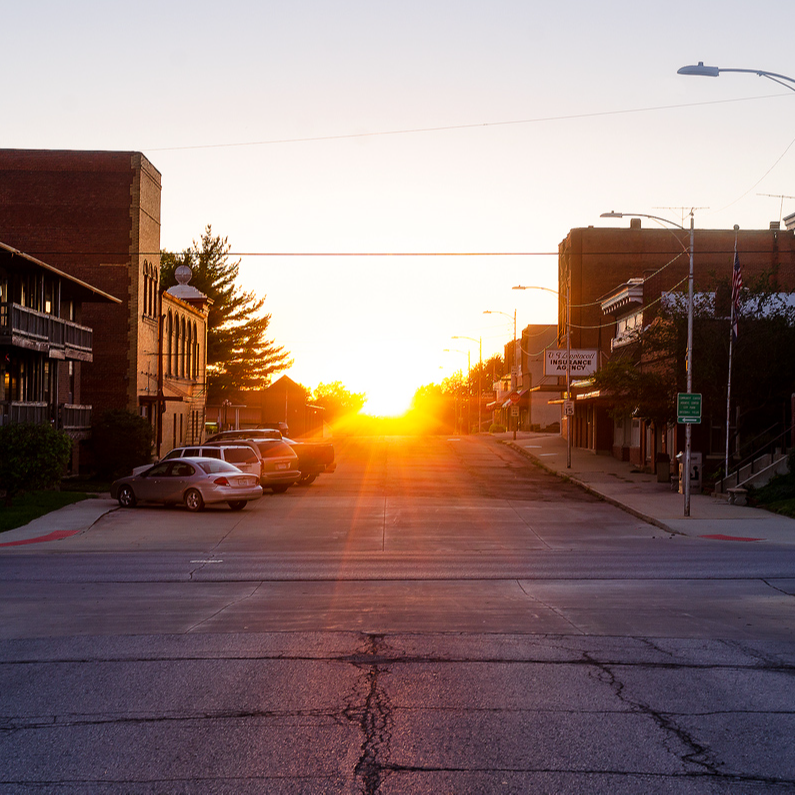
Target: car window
175, 453
158, 470
210, 466
182, 469
236, 455
192, 451
208, 452
276, 449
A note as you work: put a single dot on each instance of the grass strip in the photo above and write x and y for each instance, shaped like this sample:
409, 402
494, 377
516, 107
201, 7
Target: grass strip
33, 504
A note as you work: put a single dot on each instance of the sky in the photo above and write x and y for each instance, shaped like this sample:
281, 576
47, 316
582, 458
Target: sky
485, 130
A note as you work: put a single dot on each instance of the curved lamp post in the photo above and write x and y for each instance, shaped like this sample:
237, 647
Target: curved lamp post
568, 354
689, 353
715, 71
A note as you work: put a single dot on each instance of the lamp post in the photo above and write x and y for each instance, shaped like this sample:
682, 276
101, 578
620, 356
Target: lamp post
457, 350
715, 71
479, 341
568, 354
689, 353
514, 379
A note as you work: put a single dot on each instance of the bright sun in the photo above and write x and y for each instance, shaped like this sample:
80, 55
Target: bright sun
387, 401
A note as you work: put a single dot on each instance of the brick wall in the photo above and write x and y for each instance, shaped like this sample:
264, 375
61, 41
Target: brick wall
95, 215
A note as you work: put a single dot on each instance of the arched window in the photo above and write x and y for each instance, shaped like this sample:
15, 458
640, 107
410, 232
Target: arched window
169, 344
189, 353
182, 348
195, 351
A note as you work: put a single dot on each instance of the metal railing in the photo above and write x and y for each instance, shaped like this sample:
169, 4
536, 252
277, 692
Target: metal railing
14, 412
43, 328
75, 418
71, 417
756, 451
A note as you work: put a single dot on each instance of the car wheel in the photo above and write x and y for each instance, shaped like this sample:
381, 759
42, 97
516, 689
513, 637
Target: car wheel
193, 500
237, 505
127, 497
280, 489
306, 480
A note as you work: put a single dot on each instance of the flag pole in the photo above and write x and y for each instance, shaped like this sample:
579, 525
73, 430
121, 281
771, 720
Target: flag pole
736, 284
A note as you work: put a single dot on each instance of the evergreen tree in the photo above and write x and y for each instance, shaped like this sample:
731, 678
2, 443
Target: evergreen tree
239, 356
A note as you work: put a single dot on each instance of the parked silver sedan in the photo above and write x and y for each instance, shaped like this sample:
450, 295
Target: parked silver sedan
195, 482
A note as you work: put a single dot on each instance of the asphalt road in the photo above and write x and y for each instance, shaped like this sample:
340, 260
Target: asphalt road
437, 616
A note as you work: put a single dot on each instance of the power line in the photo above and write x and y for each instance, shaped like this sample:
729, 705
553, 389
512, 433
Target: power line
446, 128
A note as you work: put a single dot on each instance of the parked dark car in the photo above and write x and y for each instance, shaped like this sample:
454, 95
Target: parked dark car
195, 482
314, 457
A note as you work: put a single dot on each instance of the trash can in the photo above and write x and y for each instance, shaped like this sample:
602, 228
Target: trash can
663, 467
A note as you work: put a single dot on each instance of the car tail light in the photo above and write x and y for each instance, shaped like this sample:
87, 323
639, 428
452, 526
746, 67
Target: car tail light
222, 481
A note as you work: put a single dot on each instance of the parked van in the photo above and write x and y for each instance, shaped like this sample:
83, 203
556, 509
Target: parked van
245, 457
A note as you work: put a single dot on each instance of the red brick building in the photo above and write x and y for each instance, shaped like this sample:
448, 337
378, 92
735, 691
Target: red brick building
600, 262
96, 216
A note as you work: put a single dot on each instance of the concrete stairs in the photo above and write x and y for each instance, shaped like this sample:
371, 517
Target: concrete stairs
758, 473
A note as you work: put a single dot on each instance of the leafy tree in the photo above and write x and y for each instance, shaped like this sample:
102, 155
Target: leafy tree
646, 376
637, 391
32, 457
239, 356
120, 440
337, 400
433, 409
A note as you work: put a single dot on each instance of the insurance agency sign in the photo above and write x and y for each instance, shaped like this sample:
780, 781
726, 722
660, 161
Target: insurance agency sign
583, 362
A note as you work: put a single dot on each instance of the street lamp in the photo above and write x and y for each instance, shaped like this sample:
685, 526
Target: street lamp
689, 353
714, 71
480, 374
568, 355
458, 350
514, 368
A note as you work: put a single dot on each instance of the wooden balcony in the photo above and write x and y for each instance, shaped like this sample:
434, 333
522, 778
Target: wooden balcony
60, 339
74, 419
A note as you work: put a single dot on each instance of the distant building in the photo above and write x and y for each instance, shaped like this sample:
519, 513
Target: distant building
539, 395
284, 401
44, 345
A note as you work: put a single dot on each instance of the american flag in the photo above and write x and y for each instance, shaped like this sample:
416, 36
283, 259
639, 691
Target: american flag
737, 285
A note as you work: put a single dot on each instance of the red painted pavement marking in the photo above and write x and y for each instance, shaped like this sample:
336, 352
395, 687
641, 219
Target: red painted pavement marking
56, 535
732, 538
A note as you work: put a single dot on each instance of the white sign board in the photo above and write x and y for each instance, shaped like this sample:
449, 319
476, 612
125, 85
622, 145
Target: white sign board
583, 362
568, 408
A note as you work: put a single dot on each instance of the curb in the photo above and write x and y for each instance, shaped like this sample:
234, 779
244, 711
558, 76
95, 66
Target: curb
591, 490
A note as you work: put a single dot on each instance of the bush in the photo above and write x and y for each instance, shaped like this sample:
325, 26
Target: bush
497, 428
120, 441
32, 457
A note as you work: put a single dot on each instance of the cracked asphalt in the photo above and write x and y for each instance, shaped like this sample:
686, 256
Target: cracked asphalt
439, 616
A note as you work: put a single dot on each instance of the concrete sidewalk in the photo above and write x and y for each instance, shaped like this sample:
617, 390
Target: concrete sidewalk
65, 522
640, 494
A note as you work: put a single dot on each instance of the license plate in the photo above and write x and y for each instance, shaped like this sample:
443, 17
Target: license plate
282, 466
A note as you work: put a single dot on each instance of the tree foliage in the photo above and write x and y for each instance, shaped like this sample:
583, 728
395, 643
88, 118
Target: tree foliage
239, 356
337, 400
645, 377
32, 457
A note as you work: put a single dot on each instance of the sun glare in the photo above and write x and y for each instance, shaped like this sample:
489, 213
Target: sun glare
388, 402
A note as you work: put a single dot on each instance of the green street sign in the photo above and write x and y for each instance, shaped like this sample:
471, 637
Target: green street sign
688, 408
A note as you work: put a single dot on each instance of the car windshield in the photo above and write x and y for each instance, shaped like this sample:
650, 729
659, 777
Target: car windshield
211, 466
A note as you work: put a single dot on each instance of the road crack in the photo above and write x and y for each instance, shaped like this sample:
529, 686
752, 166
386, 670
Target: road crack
374, 720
